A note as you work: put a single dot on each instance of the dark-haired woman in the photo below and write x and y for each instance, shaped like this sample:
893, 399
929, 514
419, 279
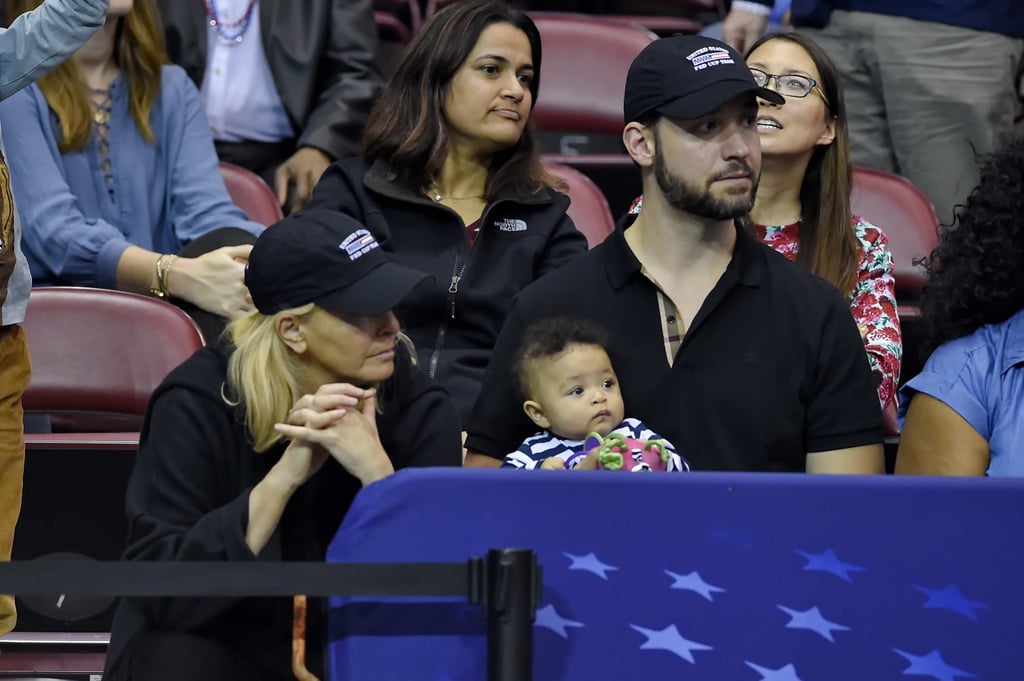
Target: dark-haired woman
964, 413
452, 184
803, 200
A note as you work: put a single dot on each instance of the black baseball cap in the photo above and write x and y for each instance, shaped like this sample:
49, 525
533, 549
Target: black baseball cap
328, 258
687, 76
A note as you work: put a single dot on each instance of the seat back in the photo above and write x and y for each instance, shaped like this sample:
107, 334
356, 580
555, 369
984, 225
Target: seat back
589, 208
97, 352
250, 193
908, 219
403, 9
583, 79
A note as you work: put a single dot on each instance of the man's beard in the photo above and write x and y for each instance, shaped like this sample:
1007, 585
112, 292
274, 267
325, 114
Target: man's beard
699, 201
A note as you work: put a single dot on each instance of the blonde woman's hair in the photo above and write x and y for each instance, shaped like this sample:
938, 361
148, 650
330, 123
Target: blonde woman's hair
263, 373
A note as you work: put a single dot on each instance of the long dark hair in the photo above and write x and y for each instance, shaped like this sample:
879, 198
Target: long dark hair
407, 126
976, 273
828, 244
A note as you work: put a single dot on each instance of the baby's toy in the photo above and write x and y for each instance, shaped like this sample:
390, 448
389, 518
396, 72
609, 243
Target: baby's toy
617, 452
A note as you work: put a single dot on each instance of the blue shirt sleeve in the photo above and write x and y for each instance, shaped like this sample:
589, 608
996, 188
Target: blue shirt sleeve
199, 200
60, 242
41, 39
957, 374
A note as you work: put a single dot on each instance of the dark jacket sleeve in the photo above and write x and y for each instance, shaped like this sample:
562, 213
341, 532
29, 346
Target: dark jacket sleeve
566, 243
182, 504
843, 408
338, 190
351, 81
497, 424
421, 426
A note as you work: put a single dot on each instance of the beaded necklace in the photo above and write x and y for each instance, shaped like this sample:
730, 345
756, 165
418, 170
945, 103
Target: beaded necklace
230, 31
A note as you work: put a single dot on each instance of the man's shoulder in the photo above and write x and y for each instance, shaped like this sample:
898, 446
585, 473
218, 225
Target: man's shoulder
791, 280
576, 283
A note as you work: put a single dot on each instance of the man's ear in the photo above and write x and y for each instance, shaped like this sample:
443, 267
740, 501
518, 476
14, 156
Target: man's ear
639, 142
290, 331
536, 414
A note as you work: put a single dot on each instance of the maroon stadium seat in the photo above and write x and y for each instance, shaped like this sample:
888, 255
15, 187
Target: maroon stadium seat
908, 219
98, 353
250, 193
589, 209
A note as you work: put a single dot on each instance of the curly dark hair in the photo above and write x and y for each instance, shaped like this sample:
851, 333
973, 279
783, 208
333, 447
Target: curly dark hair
550, 336
976, 273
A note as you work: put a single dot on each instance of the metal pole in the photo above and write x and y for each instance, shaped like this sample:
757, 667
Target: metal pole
512, 584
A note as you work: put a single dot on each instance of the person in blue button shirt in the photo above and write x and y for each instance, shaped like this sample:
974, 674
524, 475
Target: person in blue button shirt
115, 173
964, 413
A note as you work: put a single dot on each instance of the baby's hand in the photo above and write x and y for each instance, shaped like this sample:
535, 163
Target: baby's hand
589, 462
552, 463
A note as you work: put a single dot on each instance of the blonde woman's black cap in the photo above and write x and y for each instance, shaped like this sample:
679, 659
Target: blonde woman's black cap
328, 258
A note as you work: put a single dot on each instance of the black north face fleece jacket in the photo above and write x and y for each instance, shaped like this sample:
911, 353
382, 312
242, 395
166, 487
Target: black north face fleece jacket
455, 321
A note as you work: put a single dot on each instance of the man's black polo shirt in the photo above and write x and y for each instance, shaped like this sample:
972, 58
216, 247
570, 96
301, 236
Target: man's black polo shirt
771, 368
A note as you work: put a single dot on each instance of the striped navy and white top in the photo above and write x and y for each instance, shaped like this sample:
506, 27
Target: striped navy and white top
546, 444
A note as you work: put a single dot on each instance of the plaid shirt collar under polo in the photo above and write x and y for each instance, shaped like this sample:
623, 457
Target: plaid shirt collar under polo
744, 268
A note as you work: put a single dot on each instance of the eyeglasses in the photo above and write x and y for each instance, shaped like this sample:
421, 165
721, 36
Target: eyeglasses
789, 84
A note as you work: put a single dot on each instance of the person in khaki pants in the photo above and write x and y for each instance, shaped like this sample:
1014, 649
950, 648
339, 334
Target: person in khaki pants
34, 43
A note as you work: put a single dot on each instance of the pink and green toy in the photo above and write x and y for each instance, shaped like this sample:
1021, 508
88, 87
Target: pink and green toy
616, 452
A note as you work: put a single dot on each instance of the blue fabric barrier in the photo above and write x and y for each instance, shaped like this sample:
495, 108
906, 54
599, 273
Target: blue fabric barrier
765, 577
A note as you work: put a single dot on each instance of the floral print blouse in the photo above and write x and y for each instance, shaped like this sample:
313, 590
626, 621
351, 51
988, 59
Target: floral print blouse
872, 300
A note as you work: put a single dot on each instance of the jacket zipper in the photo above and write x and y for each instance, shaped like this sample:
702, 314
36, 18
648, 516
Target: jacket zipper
453, 288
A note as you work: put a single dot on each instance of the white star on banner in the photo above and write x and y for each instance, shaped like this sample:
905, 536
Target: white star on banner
787, 673
828, 561
590, 563
549, 618
812, 620
693, 582
671, 640
950, 598
931, 665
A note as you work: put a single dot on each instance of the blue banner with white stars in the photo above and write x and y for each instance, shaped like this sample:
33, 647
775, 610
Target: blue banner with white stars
740, 577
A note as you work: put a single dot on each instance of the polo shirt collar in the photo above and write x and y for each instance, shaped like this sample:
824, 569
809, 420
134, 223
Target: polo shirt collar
1013, 353
748, 258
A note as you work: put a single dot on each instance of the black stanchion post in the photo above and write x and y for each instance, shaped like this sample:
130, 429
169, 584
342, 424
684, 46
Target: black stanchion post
507, 584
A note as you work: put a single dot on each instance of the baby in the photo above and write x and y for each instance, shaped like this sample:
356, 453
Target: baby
571, 391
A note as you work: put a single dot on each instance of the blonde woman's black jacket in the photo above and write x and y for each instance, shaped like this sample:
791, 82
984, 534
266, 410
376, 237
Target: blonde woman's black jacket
455, 321
188, 500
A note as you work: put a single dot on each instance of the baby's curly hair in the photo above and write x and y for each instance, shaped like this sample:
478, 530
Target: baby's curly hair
550, 336
976, 273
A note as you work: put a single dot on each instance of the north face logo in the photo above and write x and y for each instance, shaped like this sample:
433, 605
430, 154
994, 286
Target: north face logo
511, 225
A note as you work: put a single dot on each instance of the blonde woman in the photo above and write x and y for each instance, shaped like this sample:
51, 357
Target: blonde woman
255, 450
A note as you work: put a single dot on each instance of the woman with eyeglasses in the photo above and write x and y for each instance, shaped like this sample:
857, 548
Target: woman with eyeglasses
803, 209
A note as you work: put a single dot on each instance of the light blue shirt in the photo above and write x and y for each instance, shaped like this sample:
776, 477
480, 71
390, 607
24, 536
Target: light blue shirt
239, 94
165, 194
981, 378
